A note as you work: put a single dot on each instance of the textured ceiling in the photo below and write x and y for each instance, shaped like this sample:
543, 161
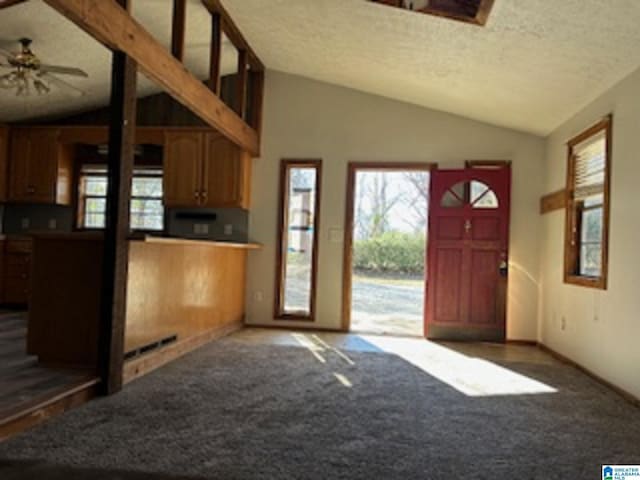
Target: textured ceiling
533, 65
58, 41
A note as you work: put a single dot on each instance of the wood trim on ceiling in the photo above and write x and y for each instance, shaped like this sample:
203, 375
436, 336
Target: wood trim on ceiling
123, 33
446, 9
10, 3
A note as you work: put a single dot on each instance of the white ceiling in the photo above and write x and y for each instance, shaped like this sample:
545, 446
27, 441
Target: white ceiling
534, 65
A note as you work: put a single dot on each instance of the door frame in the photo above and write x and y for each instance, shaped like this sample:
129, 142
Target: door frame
352, 170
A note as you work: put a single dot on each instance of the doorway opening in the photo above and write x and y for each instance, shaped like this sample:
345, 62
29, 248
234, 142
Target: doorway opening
385, 248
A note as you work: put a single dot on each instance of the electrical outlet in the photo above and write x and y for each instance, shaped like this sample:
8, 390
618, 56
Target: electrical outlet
258, 296
53, 224
204, 228
196, 229
228, 229
25, 223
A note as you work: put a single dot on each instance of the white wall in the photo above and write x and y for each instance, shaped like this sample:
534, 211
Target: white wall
308, 119
602, 327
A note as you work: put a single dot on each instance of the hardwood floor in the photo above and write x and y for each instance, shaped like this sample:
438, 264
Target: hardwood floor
30, 392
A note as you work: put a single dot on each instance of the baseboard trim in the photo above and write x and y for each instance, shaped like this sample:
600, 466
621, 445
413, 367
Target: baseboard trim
620, 391
527, 343
139, 366
31, 415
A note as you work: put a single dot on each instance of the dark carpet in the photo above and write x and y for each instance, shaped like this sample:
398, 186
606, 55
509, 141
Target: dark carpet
235, 411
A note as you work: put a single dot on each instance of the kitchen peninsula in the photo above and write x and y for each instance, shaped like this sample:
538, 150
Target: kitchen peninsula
181, 293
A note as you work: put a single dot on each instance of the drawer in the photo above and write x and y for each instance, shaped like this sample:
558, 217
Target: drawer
16, 291
19, 246
18, 259
17, 270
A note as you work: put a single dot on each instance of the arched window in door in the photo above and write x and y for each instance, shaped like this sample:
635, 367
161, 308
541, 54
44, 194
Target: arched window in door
474, 193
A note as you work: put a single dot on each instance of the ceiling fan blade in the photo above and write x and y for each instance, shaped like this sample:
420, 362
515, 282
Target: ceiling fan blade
63, 70
53, 80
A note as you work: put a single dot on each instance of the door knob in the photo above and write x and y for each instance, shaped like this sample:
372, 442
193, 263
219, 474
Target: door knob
503, 268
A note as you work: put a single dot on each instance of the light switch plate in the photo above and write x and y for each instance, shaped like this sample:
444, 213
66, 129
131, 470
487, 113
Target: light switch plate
25, 223
53, 224
228, 229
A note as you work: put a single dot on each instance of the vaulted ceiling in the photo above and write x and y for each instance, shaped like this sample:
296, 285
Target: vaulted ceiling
531, 67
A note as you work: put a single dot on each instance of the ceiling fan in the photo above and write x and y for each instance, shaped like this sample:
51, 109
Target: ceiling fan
29, 73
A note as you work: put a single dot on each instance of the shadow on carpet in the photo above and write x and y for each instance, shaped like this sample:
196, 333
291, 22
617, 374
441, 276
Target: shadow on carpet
234, 411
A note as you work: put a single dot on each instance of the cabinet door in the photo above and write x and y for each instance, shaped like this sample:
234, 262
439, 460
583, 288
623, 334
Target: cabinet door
182, 169
18, 166
42, 166
33, 165
225, 173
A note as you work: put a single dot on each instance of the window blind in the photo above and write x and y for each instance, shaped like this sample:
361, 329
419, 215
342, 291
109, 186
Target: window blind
589, 167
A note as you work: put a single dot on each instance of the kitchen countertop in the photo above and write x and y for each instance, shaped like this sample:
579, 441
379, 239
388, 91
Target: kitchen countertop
189, 241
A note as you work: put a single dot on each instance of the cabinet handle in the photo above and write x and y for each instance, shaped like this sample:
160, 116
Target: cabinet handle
204, 194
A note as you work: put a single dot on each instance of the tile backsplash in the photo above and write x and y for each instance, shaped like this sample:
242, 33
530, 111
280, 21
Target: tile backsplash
22, 218
224, 224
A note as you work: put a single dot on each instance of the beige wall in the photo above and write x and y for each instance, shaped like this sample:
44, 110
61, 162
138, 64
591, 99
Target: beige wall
602, 327
308, 119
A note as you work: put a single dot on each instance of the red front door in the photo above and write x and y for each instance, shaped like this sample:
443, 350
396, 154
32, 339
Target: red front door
467, 254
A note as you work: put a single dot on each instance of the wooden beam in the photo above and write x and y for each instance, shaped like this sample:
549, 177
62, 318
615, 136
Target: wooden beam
553, 201
121, 32
116, 234
233, 32
216, 52
257, 96
178, 28
9, 3
241, 84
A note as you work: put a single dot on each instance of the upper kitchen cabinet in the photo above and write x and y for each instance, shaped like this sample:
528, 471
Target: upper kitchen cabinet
226, 174
205, 170
183, 155
4, 159
40, 167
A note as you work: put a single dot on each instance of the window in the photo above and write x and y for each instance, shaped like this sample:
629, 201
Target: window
587, 220
298, 252
147, 210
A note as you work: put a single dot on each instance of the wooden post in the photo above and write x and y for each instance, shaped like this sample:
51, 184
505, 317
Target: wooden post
178, 28
257, 96
216, 52
116, 235
241, 84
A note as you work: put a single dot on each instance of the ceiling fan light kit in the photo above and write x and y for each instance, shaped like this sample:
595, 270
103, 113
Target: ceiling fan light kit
29, 74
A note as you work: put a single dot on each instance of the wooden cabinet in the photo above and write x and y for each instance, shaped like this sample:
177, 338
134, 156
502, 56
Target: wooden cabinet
205, 170
183, 156
40, 167
16, 270
4, 160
